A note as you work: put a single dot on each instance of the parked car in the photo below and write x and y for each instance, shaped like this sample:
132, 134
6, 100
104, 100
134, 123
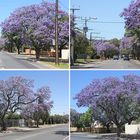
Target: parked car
115, 57
126, 58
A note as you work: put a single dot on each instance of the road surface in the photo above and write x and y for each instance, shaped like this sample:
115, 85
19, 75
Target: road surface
10, 61
86, 136
52, 133
110, 64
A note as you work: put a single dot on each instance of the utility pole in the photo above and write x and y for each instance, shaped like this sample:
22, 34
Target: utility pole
91, 37
85, 28
73, 36
56, 34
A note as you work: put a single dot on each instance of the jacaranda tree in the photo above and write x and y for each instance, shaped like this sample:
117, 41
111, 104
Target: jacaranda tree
132, 24
34, 26
40, 108
105, 49
117, 98
126, 45
100, 116
16, 93
131, 15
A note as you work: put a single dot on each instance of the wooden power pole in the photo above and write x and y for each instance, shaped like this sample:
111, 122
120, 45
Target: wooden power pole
73, 36
56, 35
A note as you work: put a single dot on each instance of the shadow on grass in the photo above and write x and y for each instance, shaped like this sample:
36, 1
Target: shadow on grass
82, 67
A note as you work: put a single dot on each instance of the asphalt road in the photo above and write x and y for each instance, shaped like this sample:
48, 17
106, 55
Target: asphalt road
110, 64
9, 61
85, 136
52, 133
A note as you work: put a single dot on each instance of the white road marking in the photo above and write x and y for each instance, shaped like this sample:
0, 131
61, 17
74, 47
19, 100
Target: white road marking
66, 138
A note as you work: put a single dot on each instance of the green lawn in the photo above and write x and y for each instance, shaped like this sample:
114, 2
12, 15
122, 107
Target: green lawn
60, 66
85, 60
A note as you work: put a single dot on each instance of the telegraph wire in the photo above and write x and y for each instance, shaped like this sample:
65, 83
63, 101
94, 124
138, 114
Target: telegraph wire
104, 22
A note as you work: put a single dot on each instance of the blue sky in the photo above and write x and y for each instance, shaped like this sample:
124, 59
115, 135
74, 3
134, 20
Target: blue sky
56, 80
8, 6
80, 79
103, 10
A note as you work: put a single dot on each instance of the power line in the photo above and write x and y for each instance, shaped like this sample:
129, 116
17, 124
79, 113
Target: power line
85, 28
108, 22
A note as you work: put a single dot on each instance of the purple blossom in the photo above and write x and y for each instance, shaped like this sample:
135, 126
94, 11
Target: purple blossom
104, 46
117, 98
34, 25
126, 42
131, 15
16, 93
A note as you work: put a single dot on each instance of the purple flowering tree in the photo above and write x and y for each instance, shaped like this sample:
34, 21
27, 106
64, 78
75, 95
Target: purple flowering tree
16, 93
126, 42
132, 24
34, 26
117, 98
131, 15
100, 116
126, 45
105, 49
40, 108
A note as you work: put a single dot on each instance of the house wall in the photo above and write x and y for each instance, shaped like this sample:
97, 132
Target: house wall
65, 54
132, 129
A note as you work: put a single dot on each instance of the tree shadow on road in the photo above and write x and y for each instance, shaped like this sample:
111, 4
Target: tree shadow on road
64, 133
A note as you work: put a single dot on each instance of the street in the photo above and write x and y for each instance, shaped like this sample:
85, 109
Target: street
86, 136
110, 64
52, 133
79, 137
10, 61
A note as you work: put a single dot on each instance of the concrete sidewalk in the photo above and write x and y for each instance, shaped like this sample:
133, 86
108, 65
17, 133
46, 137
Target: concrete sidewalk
136, 61
104, 136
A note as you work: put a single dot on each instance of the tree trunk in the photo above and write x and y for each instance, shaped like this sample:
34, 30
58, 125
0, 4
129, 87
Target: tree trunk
18, 50
3, 125
60, 52
37, 54
37, 124
18, 45
108, 128
118, 131
11, 48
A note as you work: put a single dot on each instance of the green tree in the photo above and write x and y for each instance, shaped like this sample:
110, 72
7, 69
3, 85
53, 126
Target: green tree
82, 47
115, 42
86, 119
